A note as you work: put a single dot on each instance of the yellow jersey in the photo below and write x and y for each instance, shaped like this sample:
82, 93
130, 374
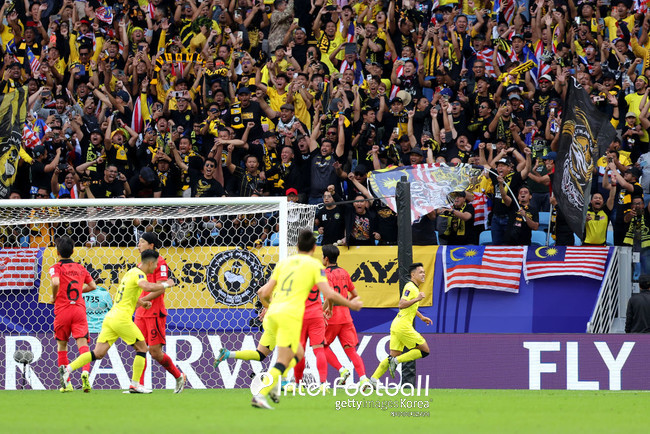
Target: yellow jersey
295, 276
406, 316
127, 295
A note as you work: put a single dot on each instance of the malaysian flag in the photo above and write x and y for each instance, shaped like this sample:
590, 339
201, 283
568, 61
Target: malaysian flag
30, 138
482, 209
19, 268
486, 55
541, 68
483, 267
547, 261
34, 63
508, 9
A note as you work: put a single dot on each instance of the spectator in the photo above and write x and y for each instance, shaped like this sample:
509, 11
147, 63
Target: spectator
637, 317
329, 221
523, 221
460, 221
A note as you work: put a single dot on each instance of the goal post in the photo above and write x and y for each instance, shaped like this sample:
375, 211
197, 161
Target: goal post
219, 251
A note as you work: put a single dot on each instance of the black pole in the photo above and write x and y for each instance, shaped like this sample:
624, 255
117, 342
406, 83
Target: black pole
404, 254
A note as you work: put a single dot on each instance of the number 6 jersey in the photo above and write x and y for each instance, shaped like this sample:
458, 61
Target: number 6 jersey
72, 278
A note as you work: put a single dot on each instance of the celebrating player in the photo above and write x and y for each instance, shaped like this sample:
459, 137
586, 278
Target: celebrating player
118, 322
402, 333
340, 322
152, 322
284, 295
70, 309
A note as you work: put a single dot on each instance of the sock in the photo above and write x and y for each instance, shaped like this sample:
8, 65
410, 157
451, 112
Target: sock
381, 369
169, 365
298, 371
356, 361
409, 356
321, 363
292, 363
82, 350
332, 359
275, 373
144, 369
63, 358
138, 367
83, 359
245, 355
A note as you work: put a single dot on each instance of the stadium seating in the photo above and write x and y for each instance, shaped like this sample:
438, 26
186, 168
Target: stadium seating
486, 238
544, 220
538, 238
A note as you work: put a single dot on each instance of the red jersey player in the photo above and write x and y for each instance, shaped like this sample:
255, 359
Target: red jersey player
69, 308
152, 322
313, 327
340, 322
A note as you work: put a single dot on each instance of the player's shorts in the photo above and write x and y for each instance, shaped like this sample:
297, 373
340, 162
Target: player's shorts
268, 339
70, 322
404, 337
153, 328
115, 328
314, 329
281, 331
346, 333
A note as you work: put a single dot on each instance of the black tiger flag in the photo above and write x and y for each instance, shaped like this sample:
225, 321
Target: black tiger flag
586, 134
13, 108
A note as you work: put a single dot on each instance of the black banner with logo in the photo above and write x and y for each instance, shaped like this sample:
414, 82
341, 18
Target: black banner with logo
586, 135
13, 108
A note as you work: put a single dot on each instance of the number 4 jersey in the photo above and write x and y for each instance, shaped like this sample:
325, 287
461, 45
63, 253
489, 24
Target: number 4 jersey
295, 276
72, 278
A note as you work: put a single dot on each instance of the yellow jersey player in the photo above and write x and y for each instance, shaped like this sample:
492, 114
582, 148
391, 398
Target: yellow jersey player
284, 295
402, 332
119, 323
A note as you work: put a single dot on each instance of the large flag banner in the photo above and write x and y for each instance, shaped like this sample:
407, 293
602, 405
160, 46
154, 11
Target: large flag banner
430, 185
483, 267
586, 134
547, 261
13, 108
19, 268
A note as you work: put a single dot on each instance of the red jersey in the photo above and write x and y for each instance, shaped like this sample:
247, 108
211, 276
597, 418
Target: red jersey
157, 304
72, 278
340, 281
313, 304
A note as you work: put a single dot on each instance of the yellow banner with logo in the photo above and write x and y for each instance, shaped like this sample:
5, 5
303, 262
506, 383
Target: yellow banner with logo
220, 277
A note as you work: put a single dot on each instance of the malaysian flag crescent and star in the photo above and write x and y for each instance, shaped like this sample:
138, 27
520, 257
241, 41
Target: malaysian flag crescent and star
483, 267
548, 261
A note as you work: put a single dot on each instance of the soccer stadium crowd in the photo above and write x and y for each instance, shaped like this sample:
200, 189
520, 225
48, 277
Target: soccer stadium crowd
214, 98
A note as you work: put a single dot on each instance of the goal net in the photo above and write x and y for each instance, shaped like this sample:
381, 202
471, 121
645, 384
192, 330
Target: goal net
219, 251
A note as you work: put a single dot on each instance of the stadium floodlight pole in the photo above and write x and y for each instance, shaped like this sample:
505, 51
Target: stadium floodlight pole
404, 254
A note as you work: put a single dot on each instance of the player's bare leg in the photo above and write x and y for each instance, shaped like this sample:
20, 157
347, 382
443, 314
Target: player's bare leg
161, 357
82, 344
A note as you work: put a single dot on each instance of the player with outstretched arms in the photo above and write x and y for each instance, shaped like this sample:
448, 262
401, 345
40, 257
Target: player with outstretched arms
69, 280
152, 322
118, 322
339, 323
402, 332
284, 296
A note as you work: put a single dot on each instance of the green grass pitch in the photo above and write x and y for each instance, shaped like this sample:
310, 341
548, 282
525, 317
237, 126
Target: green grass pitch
229, 411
